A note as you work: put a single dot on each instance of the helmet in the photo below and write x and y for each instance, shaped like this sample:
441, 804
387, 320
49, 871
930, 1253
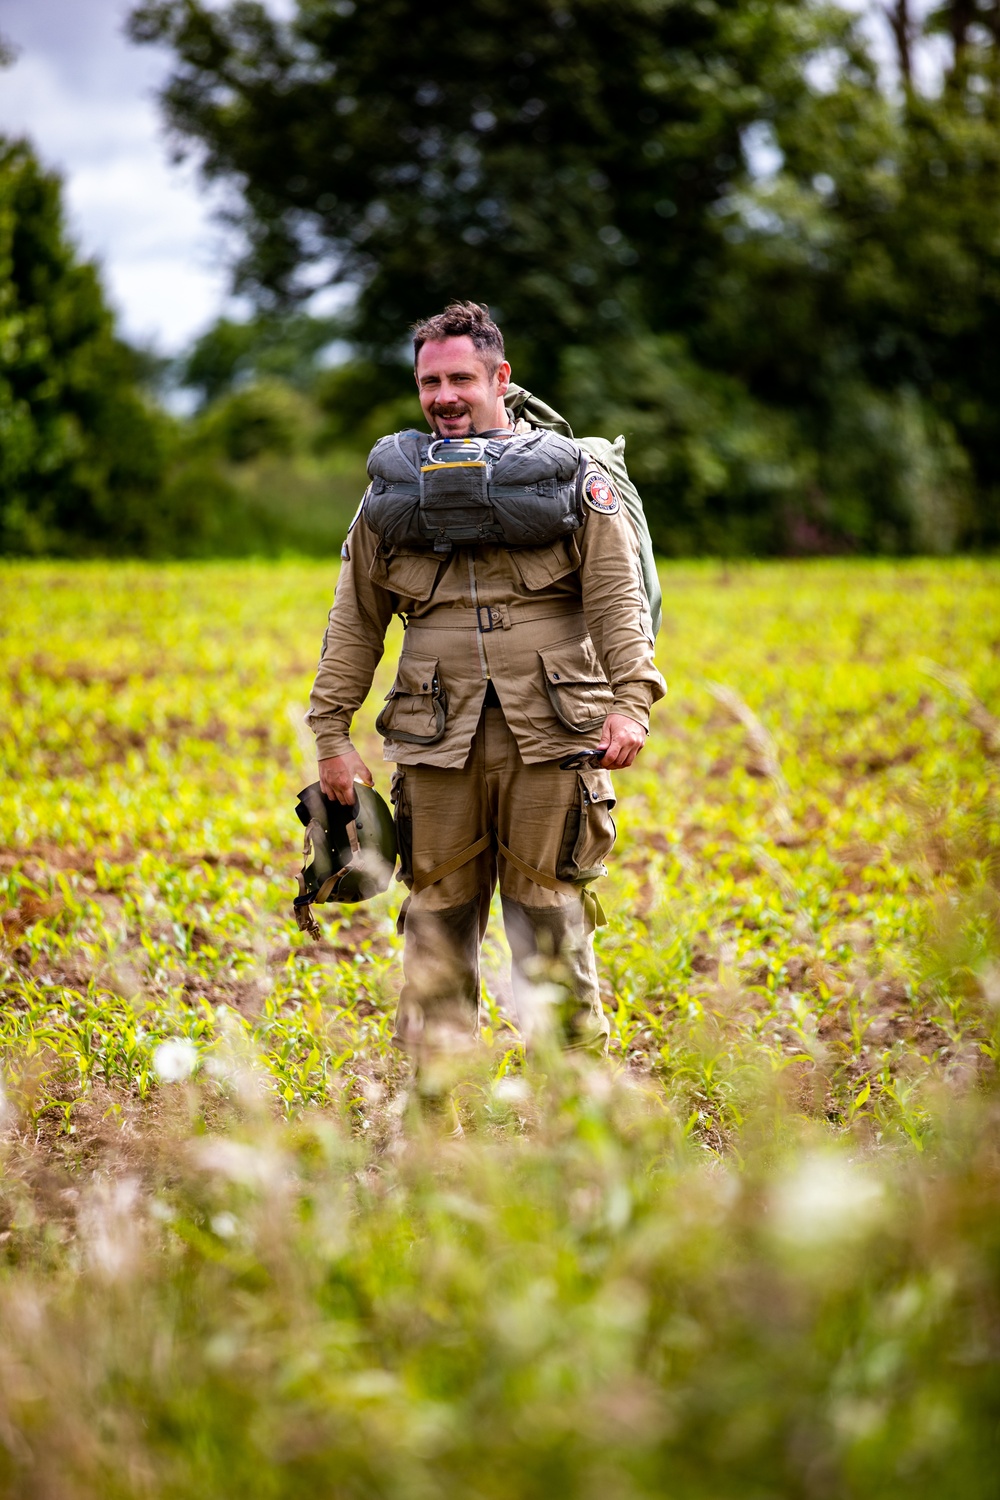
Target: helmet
349, 853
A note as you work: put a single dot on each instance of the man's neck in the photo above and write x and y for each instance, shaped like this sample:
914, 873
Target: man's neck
503, 425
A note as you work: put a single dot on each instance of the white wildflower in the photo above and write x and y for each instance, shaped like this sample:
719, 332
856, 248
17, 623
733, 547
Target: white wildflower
511, 1090
825, 1200
175, 1060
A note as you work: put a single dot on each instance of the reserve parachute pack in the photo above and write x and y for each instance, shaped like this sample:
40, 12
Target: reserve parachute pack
523, 405
441, 493
522, 491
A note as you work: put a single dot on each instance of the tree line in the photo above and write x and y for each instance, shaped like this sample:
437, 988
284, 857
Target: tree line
759, 237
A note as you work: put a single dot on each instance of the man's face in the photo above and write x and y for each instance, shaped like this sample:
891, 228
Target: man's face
458, 394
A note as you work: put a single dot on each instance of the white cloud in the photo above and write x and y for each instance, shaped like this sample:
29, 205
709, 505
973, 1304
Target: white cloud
85, 98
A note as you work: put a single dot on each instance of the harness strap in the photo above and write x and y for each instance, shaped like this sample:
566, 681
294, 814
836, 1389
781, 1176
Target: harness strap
593, 910
414, 468
592, 907
449, 866
549, 882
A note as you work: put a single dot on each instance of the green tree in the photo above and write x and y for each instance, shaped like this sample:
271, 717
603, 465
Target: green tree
802, 355
862, 291
81, 450
560, 161
718, 471
231, 354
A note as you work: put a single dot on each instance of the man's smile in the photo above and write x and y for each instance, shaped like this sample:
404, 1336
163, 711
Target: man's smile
451, 414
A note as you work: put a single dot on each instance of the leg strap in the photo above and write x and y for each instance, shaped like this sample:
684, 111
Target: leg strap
591, 905
449, 866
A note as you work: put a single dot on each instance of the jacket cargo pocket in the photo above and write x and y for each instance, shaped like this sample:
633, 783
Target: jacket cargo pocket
589, 831
404, 826
416, 709
412, 575
541, 566
577, 688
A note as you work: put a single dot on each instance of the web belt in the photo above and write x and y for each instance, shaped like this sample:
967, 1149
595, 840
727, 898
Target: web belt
489, 617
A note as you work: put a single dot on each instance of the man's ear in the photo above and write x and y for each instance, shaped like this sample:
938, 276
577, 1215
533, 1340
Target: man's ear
503, 377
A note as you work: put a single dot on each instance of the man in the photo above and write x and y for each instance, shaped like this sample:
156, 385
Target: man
520, 650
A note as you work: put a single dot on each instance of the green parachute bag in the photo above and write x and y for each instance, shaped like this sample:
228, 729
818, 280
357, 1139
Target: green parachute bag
611, 457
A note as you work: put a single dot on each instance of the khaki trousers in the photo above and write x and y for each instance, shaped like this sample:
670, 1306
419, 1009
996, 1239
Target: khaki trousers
540, 831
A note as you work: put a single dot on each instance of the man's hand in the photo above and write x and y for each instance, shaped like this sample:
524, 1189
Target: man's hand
338, 774
624, 739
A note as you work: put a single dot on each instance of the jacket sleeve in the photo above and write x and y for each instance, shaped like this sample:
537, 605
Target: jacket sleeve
352, 646
617, 611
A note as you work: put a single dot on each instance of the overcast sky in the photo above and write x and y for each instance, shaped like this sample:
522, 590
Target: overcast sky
84, 96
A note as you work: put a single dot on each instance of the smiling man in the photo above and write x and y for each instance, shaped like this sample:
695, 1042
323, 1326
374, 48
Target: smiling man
515, 568
461, 387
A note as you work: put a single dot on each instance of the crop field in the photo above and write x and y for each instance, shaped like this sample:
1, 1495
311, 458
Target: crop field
756, 1254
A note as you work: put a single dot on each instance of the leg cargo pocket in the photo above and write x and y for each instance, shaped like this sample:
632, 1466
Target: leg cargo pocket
589, 831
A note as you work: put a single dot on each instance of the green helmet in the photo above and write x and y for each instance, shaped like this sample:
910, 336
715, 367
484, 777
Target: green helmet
349, 853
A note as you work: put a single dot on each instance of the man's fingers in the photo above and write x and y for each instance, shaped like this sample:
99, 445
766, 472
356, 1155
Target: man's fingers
337, 786
338, 773
336, 791
622, 751
613, 760
625, 737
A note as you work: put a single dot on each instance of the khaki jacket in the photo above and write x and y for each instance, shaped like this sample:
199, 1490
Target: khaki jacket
563, 631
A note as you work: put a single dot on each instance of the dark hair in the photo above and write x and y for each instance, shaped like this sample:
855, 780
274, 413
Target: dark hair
458, 318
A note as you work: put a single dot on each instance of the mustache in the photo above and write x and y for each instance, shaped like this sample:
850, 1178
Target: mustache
450, 409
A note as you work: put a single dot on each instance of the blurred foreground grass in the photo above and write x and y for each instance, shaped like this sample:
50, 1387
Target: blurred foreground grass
758, 1256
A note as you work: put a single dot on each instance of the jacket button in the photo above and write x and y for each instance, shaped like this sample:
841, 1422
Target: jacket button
425, 687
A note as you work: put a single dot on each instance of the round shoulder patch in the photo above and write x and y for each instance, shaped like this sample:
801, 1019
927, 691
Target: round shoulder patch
599, 494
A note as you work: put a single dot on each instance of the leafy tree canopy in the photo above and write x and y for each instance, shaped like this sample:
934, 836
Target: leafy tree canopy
231, 354
714, 220
560, 161
81, 453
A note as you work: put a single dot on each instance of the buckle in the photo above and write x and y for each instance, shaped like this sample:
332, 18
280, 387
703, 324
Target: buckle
489, 617
306, 921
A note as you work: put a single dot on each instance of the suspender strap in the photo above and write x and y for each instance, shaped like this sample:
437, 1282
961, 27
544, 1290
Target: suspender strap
449, 866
